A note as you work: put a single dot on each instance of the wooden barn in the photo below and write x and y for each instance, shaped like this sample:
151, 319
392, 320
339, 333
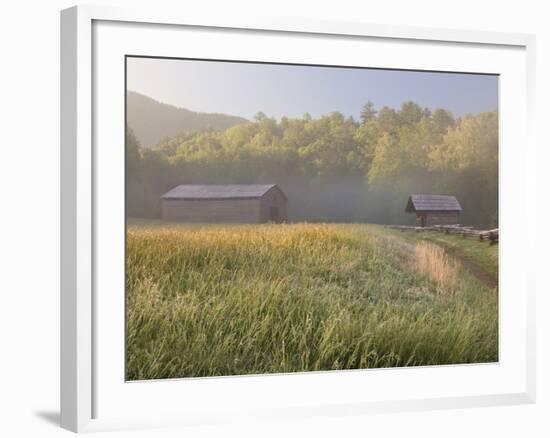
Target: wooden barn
434, 209
232, 203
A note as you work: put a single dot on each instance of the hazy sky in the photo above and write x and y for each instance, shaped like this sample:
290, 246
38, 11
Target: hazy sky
243, 89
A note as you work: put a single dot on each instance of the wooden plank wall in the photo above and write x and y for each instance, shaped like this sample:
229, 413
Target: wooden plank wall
437, 218
274, 198
211, 210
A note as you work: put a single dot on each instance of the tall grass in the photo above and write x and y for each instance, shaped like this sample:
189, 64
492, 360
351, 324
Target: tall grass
430, 260
229, 300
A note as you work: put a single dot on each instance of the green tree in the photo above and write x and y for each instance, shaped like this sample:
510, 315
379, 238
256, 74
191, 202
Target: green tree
368, 112
411, 113
133, 156
331, 167
388, 119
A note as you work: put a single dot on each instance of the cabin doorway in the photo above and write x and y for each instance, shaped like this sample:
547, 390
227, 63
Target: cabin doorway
273, 214
422, 221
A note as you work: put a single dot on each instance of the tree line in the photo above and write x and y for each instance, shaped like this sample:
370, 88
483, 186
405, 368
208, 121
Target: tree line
333, 168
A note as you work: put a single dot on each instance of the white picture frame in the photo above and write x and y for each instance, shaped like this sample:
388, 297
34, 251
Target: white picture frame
90, 82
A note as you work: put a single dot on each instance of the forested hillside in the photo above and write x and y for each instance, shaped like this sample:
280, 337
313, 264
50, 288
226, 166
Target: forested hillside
333, 168
151, 121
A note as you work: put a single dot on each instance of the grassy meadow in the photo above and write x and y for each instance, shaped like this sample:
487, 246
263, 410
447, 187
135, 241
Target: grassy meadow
218, 300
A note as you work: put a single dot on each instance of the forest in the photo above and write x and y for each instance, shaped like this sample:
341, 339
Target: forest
333, 168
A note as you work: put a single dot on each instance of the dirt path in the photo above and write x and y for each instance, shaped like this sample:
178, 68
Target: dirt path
484, 277
487, 279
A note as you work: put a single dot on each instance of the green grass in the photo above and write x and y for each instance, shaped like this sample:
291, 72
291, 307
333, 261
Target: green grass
251, 299
481, 254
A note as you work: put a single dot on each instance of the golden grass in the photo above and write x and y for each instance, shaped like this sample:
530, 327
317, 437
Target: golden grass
431, 261
251, 299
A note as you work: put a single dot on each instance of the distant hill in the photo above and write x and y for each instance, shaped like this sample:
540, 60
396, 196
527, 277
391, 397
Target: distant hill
151, 121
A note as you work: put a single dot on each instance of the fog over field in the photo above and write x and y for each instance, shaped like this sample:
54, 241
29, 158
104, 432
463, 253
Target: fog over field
347, 145
319, 285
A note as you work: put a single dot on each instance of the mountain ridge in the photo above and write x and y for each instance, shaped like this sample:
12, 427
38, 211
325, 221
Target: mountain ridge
151, 120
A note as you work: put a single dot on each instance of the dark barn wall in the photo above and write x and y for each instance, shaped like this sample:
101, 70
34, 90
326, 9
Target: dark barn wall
211, 210
437, 218
274, 206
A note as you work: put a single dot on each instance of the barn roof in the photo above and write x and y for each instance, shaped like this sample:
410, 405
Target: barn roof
432, 203
212, 191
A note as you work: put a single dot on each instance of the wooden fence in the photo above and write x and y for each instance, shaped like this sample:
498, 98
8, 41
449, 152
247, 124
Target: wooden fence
465, 231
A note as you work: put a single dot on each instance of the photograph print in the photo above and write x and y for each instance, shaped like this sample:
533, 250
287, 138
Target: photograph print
286, 218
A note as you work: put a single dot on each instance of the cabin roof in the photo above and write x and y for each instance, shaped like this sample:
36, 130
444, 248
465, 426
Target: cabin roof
213, 191
432, 203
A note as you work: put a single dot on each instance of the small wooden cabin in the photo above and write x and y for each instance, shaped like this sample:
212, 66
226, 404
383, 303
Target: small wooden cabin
231, 203
434, 209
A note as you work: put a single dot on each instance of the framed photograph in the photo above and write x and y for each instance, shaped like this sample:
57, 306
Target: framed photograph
286, 219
